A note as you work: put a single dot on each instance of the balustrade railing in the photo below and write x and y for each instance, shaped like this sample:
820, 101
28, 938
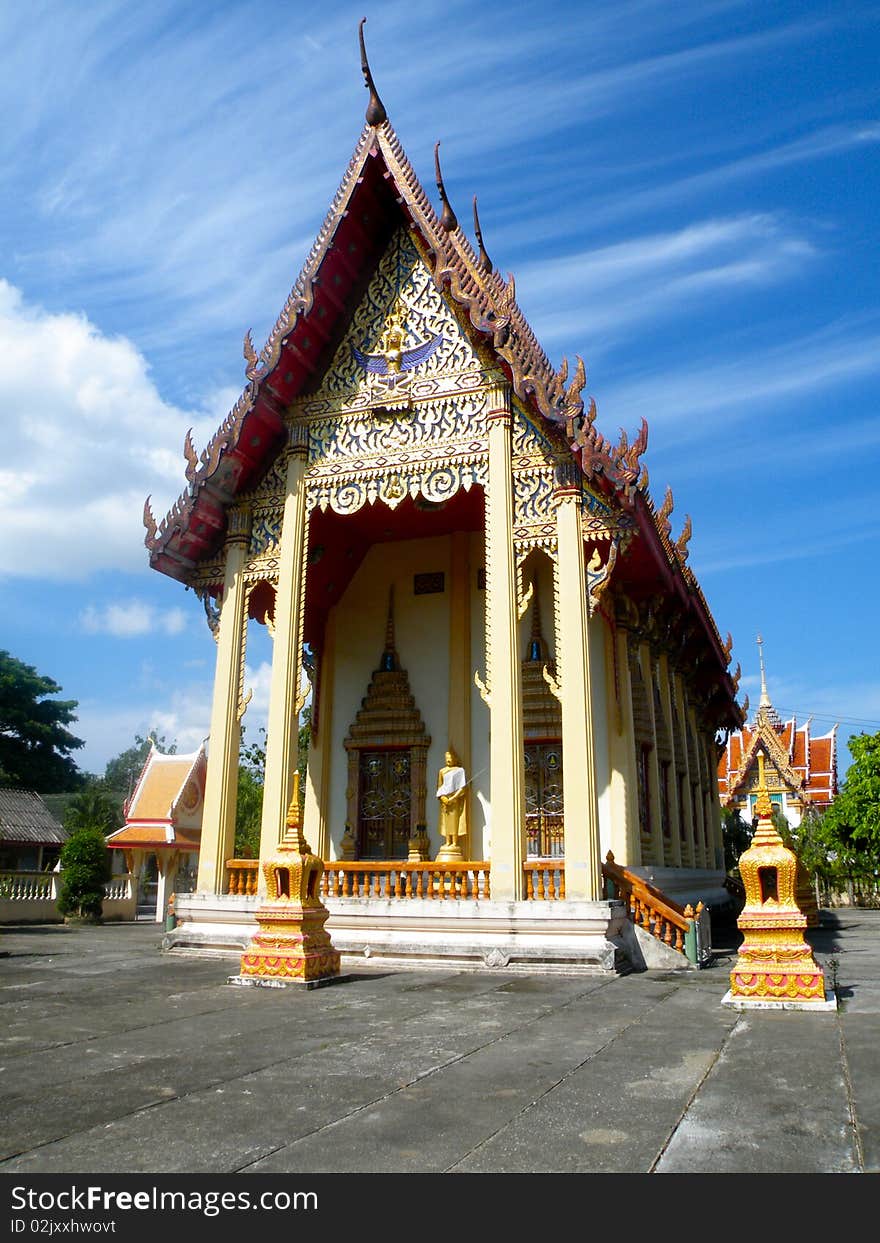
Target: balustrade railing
683, 928
242, 876
545, 879
362, 879
29, 886
32, 897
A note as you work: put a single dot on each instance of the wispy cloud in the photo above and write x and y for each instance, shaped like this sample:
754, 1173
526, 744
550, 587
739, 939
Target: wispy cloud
613, 289
736, 383
132, 619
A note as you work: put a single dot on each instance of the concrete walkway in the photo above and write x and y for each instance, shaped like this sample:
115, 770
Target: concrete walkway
117, 1058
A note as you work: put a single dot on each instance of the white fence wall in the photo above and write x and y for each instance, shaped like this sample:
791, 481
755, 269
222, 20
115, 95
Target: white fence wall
31, 897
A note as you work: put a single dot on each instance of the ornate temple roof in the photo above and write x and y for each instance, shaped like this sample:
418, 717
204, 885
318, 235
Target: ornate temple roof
806, 765
378, 192
164, 810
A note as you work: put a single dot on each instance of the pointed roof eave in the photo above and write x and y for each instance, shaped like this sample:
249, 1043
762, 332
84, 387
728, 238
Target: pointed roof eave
487, 299
765, 734
197, 758
132, 798
194, 526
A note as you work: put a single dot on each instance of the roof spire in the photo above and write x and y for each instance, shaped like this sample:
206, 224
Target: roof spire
448, 219
765, 707
537, 648
389, 661
765, 698
376, 113
485, 261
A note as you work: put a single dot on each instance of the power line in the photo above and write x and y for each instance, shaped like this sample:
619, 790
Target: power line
802, 715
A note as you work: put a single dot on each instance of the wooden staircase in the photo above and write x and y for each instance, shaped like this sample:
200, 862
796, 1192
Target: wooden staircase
683, 929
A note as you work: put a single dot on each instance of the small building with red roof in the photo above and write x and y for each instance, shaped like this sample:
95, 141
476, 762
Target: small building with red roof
163, 819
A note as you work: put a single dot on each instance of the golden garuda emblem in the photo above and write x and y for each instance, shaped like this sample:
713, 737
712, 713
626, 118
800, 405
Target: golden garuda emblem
391, 360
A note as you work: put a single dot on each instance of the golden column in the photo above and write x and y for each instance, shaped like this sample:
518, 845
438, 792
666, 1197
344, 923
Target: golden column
319, 770
775, 967
626, 843
675, 845
221, 779
282, 726
583, 864
658, 851
506, 759
460, 684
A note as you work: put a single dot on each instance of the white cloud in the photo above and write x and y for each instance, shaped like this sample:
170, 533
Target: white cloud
132, 618
808, 364
87, 437
612, 289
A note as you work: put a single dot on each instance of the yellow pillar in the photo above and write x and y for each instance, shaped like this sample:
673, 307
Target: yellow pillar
283, 721
714, 834
702, 853
625, 836
654, 805
316, 823
459, 715
674, 845
221, 779
583, 864
506, 759
690, 854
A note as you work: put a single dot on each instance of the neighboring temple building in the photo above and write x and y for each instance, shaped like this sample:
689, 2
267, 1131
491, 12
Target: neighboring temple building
30, 836
800, 768
423, 512
163, 824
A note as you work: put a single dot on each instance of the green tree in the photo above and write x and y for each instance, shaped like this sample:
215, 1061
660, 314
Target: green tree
850, 828
35, 744
251, 770
85, 868
854, 816
93, 808
736, 834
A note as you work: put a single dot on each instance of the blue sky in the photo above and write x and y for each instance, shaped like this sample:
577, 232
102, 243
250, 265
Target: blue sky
686, 194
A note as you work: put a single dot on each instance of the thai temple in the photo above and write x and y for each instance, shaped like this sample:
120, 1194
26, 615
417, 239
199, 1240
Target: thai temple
163, 821
801, 768
517, 689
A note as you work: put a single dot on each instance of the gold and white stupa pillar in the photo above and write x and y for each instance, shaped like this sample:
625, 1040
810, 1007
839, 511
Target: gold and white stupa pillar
775, 967
282, 730
506, 757
583, 864
221, 779
292, 945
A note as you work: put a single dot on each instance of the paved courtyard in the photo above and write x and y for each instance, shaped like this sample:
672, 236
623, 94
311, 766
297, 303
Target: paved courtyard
116, 1058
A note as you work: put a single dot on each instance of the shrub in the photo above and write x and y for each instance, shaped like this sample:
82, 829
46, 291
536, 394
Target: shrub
85, 868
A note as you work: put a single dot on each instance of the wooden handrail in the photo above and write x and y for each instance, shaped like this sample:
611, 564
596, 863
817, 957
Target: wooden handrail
545, 879
648, 907
389, 879
343, 878
382, 878
242, 876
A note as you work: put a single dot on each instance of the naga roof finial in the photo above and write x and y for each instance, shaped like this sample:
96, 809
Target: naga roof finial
448, 218
485, 261
376, 113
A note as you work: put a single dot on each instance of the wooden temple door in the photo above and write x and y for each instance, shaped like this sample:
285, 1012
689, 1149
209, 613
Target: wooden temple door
384, 802
545, 838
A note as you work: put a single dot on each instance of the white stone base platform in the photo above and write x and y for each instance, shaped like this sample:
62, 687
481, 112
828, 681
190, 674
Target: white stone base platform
748, 1003
569, 937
